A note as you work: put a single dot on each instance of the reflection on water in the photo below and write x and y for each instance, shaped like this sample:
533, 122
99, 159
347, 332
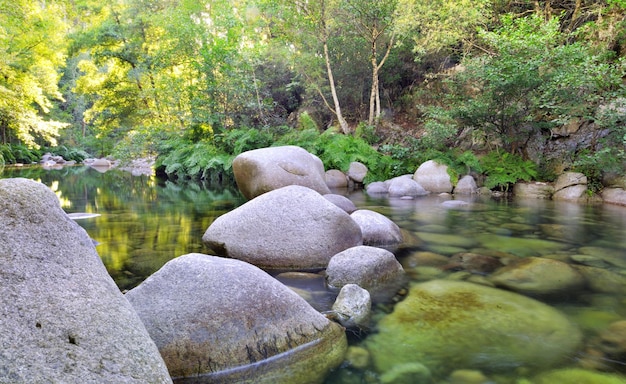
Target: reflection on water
144, 222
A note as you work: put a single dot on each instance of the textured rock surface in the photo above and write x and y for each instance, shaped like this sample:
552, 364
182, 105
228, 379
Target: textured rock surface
405, 186
266, 169
534, 190
292, 227
62, 318
223, 320
433, 177
466, 186
371, 268
353, 306
336, 179
377, 229
447, 324
357, 171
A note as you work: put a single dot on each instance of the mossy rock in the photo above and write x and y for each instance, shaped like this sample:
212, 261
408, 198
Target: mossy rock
578, 376
448, 325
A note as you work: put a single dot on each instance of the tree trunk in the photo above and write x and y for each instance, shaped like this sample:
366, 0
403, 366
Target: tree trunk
374, 91
342, 122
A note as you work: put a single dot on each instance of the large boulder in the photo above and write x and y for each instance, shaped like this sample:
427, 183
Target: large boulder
223, 320
433, 177
292, 227
266, 169
371, 268
62, 318
446, 325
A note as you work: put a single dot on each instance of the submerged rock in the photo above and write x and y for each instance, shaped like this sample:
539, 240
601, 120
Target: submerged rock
539, 276
292, 227
62, 318
223, 320
578, 376
446, 325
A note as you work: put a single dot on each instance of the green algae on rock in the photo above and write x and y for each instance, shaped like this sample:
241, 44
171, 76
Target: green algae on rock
448, 325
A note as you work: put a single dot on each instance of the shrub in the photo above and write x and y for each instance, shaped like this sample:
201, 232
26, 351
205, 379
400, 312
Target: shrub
503, 169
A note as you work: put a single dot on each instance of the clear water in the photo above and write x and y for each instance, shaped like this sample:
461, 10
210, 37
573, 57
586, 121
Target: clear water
145, 222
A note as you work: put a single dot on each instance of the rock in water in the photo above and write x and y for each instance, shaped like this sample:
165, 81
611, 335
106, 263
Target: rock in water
62, 318
448, 325
292, 227
266, 169
223, 320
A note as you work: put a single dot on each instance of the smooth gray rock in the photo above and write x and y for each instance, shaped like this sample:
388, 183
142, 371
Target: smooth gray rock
342, 202
377, 229
292, 227
466, 186
357, 171
405, 186
62, 318
266, 169
377, 188
371, 268
433, 177
336, 179
225, 321
353, 306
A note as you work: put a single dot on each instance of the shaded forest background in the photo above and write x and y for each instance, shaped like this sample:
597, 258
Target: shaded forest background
506, 90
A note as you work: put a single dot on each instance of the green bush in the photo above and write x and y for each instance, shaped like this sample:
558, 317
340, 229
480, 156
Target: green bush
503, 169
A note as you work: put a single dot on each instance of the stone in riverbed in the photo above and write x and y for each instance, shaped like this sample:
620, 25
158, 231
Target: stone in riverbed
433, 177
62, 318
223, 320
539, 276
292, 227
371, 268
446, 325
377, 229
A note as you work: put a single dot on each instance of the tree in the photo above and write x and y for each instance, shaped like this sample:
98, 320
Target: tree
374, 21
309, 25
32, 48
533, 82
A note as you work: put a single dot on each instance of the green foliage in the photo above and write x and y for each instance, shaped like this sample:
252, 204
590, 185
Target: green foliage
367, 133
202, 161
306, 122
534, 80
19, 153
69, 154
503, 169
236, 141
595, 164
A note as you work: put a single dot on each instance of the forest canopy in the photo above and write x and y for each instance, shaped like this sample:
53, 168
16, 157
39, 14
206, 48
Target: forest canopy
410, 78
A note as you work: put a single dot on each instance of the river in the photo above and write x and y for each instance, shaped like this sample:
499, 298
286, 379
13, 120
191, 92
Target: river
142, 222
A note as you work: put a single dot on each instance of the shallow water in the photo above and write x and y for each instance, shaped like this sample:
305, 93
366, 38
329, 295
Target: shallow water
144, 222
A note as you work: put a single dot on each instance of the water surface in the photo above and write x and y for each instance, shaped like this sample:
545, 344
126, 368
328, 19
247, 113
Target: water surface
143, 222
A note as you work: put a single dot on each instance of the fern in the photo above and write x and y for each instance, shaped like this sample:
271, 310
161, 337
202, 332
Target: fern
504, 169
